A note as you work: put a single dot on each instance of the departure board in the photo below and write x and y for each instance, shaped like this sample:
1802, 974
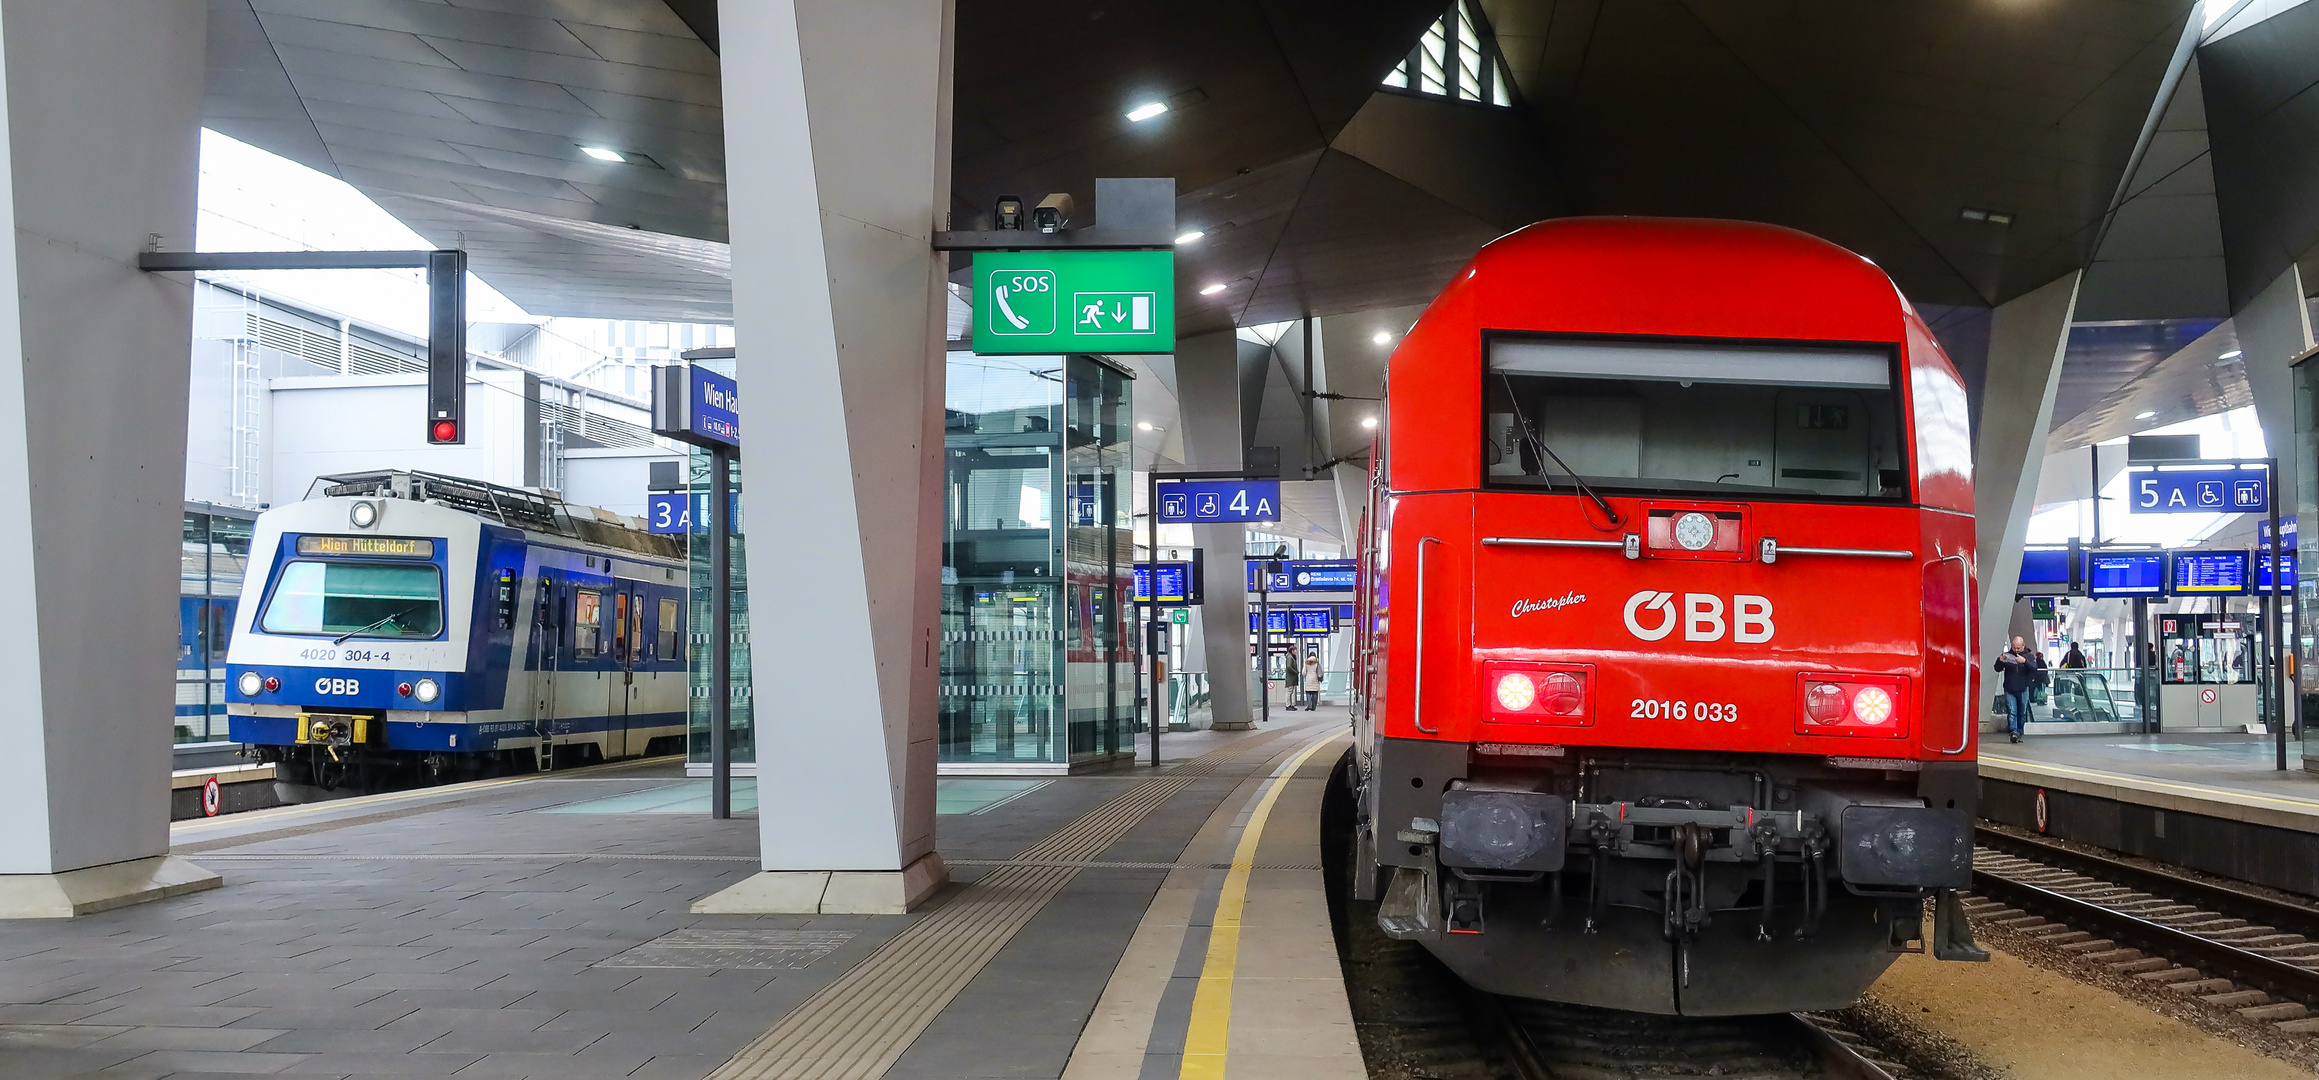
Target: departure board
1275, 619
1319, 620
2139, 573
2210, 573
1177, 583
2045, 566
2263, 571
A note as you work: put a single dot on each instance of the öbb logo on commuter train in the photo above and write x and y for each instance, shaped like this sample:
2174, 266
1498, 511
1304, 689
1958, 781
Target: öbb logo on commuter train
351, 687
1702, 617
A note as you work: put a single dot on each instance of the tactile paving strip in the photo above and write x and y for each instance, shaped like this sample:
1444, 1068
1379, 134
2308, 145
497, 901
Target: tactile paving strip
859, 1025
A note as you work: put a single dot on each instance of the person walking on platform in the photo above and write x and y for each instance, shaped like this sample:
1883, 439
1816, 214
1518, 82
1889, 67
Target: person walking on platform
1312, 682
2074, 659
2023, 669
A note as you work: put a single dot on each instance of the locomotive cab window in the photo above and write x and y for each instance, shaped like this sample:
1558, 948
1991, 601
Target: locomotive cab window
356, 599
1704, 419
665, 638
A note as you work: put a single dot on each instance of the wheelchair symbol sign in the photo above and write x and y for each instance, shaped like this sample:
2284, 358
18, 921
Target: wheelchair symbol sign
1207, 506
2209, 494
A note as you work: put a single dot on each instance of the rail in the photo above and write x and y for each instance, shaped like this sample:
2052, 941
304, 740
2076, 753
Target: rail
2237, 903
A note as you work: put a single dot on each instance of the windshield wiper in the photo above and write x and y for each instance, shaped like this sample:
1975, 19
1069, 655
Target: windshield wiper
341, 639
1530, 435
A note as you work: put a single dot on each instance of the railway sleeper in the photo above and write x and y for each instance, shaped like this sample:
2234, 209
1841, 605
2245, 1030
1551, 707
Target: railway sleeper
2233, 999
2147, 963
2275, 1012
2201, 987
2169, 975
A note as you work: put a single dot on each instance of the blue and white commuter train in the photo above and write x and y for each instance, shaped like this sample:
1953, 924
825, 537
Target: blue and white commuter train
402, 622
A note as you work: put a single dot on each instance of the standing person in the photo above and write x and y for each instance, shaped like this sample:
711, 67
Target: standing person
1312, 682
2022, 669
2074, 659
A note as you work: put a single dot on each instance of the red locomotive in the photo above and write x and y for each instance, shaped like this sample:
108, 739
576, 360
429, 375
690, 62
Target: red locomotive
1668, 685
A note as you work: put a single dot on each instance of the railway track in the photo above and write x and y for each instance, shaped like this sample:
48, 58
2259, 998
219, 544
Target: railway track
2233, 949
1547, 1041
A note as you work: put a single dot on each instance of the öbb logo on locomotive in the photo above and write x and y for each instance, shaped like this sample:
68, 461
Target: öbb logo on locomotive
338, 687
1702, 617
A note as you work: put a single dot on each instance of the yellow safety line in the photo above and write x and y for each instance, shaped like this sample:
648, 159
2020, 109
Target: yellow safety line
2132, 780
1208, 1040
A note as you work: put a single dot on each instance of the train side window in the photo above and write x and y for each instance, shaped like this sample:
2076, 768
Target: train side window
587, 622
668, 629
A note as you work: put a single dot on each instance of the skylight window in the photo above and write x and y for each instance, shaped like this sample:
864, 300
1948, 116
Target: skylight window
1456, 58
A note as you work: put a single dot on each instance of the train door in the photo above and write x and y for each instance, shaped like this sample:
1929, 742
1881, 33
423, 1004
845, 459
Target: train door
627, 640
547, 651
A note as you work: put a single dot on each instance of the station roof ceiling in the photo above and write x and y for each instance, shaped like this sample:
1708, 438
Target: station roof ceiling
1879, 126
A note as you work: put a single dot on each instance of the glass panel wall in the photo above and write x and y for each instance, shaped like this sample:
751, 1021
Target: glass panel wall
214, 555
697, 624
1036, 666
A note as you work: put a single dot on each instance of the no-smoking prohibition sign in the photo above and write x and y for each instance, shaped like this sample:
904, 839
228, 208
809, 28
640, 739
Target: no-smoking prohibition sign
210, 797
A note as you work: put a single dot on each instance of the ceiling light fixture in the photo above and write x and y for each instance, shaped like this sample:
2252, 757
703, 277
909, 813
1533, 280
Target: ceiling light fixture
1192, 237
2145, 414
601, 154
1143, 425
1146, 111
1993, 217
1212, 290
1368, 421
1382, 336
2231, 355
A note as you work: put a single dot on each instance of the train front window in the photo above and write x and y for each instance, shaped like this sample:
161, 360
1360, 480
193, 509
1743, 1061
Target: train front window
1706, 420
357, 599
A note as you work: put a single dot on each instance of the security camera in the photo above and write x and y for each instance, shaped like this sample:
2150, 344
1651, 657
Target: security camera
1052, 213
1009, 215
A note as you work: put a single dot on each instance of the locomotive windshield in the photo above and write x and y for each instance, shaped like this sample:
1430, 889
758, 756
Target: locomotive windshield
1708, 419
356, 599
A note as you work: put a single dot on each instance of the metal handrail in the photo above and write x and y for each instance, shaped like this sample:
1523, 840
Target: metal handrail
1531, 541
1417, 700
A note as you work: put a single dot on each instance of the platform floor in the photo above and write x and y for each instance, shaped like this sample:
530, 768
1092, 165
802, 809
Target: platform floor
1139, 922
2227, 775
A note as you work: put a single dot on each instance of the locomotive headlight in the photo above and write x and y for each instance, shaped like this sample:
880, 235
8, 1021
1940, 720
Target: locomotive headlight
364, 515
1564, 693
426, 691
1694, 531
251, 682
1872, 705
1824, 703
1515, 691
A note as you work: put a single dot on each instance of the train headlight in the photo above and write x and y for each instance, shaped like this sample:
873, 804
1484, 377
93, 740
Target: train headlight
1515, 691
251, 682
1564, 693
364, 514
1872, 705
426, 691
1824, 703
1694, 531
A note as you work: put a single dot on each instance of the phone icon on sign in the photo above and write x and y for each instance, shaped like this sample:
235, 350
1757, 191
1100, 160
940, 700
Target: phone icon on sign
1000, 294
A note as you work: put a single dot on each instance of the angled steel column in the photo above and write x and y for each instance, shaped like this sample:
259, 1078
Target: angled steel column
100, 152
838, 158
1208, 392
2027, 336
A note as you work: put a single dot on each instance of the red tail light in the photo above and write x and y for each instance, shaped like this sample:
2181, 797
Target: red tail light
1871, 705
1524, 692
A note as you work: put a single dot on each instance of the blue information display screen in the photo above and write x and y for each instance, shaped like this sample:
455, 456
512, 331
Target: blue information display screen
2210, 572
2141, 573
1175, 584
2286, 570
1344, 613
1308, 575
2045, 567
1319, 620
1275, 619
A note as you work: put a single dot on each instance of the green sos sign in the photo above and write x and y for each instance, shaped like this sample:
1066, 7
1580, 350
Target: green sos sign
1074, 302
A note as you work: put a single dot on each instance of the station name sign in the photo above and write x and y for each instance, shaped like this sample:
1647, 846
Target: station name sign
693, 404
1062, 301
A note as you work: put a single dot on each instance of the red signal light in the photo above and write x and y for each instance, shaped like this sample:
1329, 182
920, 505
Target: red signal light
403, 689
1524, 692
1869, 705
446, 431
272, 684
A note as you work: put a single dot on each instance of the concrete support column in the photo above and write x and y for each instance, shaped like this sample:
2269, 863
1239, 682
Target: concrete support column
99, 155
837, 151
2274, 328
2027, 337
1208, 391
